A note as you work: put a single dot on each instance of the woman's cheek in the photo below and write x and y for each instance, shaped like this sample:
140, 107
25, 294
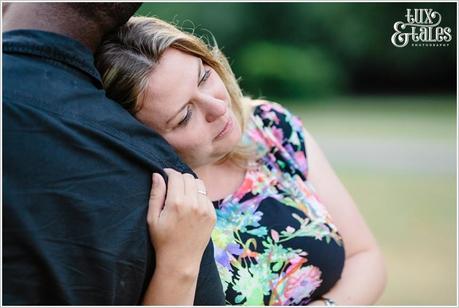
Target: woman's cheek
187, 146
192, 155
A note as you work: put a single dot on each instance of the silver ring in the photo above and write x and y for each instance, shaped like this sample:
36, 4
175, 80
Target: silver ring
202, 192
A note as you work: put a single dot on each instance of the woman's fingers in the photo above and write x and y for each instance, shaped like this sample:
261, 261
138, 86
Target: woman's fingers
202, 196
185, 224
175, 188
157, 196
201, 188
190, 189
185, 193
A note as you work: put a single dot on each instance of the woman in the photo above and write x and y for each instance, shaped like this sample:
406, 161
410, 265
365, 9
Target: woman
287, 231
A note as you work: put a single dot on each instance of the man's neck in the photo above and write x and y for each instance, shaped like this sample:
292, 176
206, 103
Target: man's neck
37, 16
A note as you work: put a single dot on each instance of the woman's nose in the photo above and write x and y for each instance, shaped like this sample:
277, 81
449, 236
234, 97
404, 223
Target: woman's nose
214, 109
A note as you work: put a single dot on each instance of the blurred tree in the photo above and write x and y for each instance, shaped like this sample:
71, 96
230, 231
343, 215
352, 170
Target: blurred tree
298, 50
283, 71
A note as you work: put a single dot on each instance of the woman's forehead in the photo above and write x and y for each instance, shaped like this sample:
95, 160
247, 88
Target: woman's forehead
174, 71
171, 83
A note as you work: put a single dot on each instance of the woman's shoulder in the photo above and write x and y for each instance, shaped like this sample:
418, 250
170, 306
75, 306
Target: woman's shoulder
272, 115
276, 129
265, 105
271, 110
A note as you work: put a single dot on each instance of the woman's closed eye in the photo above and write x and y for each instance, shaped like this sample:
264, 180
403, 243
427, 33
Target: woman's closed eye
189, 111
187, 117
204, 77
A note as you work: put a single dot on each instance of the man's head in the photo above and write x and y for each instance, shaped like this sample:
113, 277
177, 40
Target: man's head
109, 15
87, 22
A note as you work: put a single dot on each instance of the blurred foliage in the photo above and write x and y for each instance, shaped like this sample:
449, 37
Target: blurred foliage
301, 50
296, 72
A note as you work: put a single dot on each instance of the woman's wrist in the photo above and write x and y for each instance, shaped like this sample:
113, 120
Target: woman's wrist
172, 286
182, 273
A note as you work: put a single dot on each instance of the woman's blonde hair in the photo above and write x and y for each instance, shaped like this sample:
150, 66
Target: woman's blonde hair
128, 56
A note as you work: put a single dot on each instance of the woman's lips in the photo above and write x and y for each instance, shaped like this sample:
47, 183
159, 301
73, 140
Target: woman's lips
226, 129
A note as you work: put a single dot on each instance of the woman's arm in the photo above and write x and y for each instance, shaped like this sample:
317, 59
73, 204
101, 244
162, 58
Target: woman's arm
364, 274
180, 226
172, 288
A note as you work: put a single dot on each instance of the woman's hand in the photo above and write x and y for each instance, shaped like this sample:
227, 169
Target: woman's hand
180, 224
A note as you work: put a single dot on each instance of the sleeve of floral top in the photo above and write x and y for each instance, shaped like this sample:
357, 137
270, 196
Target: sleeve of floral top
284, 137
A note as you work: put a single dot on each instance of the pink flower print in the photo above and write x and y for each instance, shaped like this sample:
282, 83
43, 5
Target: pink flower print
277, 133
300, 159
274, 235
295, 263
278, 295
270, 113
302, 283
244, 189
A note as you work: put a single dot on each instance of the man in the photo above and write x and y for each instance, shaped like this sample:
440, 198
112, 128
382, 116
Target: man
77, 167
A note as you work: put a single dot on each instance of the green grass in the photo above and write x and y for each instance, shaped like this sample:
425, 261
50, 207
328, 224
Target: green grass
411, 211
393, 117
414, 220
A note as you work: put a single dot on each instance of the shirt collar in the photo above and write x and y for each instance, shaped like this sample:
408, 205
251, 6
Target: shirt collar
52, 46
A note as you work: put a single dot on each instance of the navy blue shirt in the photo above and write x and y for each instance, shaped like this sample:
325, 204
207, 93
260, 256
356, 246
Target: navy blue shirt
76, 180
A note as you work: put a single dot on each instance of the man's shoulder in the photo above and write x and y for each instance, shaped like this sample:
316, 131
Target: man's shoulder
47, 49
69, 104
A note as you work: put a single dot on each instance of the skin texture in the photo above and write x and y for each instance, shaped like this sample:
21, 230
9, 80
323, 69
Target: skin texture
364, 276
180, 80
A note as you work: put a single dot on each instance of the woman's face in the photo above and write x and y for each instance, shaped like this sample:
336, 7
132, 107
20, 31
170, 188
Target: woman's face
188, 104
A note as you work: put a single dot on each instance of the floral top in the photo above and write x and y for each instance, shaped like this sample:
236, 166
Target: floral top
274, 242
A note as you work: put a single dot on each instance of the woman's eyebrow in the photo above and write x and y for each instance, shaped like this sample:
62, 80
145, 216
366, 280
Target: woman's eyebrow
184, 105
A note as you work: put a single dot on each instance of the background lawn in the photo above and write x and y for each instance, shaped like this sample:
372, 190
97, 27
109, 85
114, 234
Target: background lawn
397, 157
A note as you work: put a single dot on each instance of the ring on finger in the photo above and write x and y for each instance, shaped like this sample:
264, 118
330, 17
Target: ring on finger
202, 192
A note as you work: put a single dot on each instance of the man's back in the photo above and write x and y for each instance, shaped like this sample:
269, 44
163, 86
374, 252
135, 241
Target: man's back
76, 179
